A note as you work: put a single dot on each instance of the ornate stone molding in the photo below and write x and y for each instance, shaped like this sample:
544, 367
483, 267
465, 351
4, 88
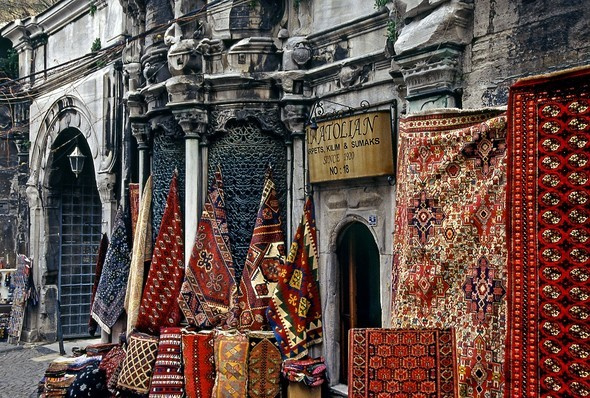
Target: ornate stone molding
167, 125
268, 119
193, 121
185, 89
141, 132
105, 182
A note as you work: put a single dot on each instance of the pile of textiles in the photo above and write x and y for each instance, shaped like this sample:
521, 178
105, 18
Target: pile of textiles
61, 374
311, 372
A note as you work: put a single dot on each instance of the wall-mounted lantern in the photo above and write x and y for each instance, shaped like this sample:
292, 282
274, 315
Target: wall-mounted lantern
76, 161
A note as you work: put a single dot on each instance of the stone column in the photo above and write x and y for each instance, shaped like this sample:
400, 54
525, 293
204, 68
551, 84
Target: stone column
194, 124
140, 131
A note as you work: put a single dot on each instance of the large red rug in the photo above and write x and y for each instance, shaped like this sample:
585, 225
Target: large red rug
416, 363
208, 294
295, 311
450, 241
159, 305
548, 354
266, 255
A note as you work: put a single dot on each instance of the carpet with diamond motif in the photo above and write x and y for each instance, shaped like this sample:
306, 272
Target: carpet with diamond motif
449, 268
548, 257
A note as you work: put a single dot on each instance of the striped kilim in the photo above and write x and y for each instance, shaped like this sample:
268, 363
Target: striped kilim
138, 365
199, 363
449, 268
264, 366
265, 257
231, 364
548, 350
159, 305
168, 378
110, 293
295, 312
209, 289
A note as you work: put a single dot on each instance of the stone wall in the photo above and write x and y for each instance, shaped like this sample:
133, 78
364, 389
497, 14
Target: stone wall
513, 39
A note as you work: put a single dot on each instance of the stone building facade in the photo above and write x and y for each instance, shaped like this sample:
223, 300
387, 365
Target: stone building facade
190, 84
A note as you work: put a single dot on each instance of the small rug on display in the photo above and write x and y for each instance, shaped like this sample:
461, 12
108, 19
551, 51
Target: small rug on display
264, 366
547, 350
100, 257
20, 294
88, 383
295, 312
159, 305
138, 365
134, 205
168, 378
401, 363
231, 365
310, 371
111, 365
110, 293
209, 290
199, 363
266, 255
449, 256
141, 241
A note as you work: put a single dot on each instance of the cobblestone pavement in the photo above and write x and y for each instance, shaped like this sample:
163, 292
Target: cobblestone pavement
23, 366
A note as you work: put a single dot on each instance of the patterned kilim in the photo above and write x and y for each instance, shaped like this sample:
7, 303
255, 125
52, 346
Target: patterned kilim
265, 256
100, 257
111, 366
548, 354
231, 364
137, 271
134, 205
264, 366
209, 290
199, 363
138, 364
449, 267
401, 363
110, 294
159, 305
295, 312
20, 282
168, 379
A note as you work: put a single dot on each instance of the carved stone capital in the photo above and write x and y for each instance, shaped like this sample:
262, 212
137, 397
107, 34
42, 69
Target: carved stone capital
193, 121
141, 132
136, 105
295, 116
105, 182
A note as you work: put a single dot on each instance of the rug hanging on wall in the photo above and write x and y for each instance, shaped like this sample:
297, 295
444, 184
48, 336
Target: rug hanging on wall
159, 305
401, 363
199, 363
100, 257
295, 312
266, 256
548, 237
20, 282
133, 206
110, 293
449, 268
141, 242
208, 294
168, 378
264, 365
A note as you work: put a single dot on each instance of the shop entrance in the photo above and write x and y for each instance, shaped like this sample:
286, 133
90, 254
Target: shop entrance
79, 212
360, 303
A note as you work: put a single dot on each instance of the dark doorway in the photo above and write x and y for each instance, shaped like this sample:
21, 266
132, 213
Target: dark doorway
80, 213
360, 302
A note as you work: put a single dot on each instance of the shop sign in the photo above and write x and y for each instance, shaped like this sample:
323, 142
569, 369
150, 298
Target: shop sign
351, 147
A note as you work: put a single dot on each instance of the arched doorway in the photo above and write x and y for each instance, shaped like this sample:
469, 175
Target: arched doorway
78, 211
360, 287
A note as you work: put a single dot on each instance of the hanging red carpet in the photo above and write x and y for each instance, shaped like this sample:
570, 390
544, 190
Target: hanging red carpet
548, 354
134, 205
449, 268
295, 312
199, 363
100, 257
231, 365
110, 293
168, 378
401, 363
264, 366
209, 289
265, 256
159, 305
